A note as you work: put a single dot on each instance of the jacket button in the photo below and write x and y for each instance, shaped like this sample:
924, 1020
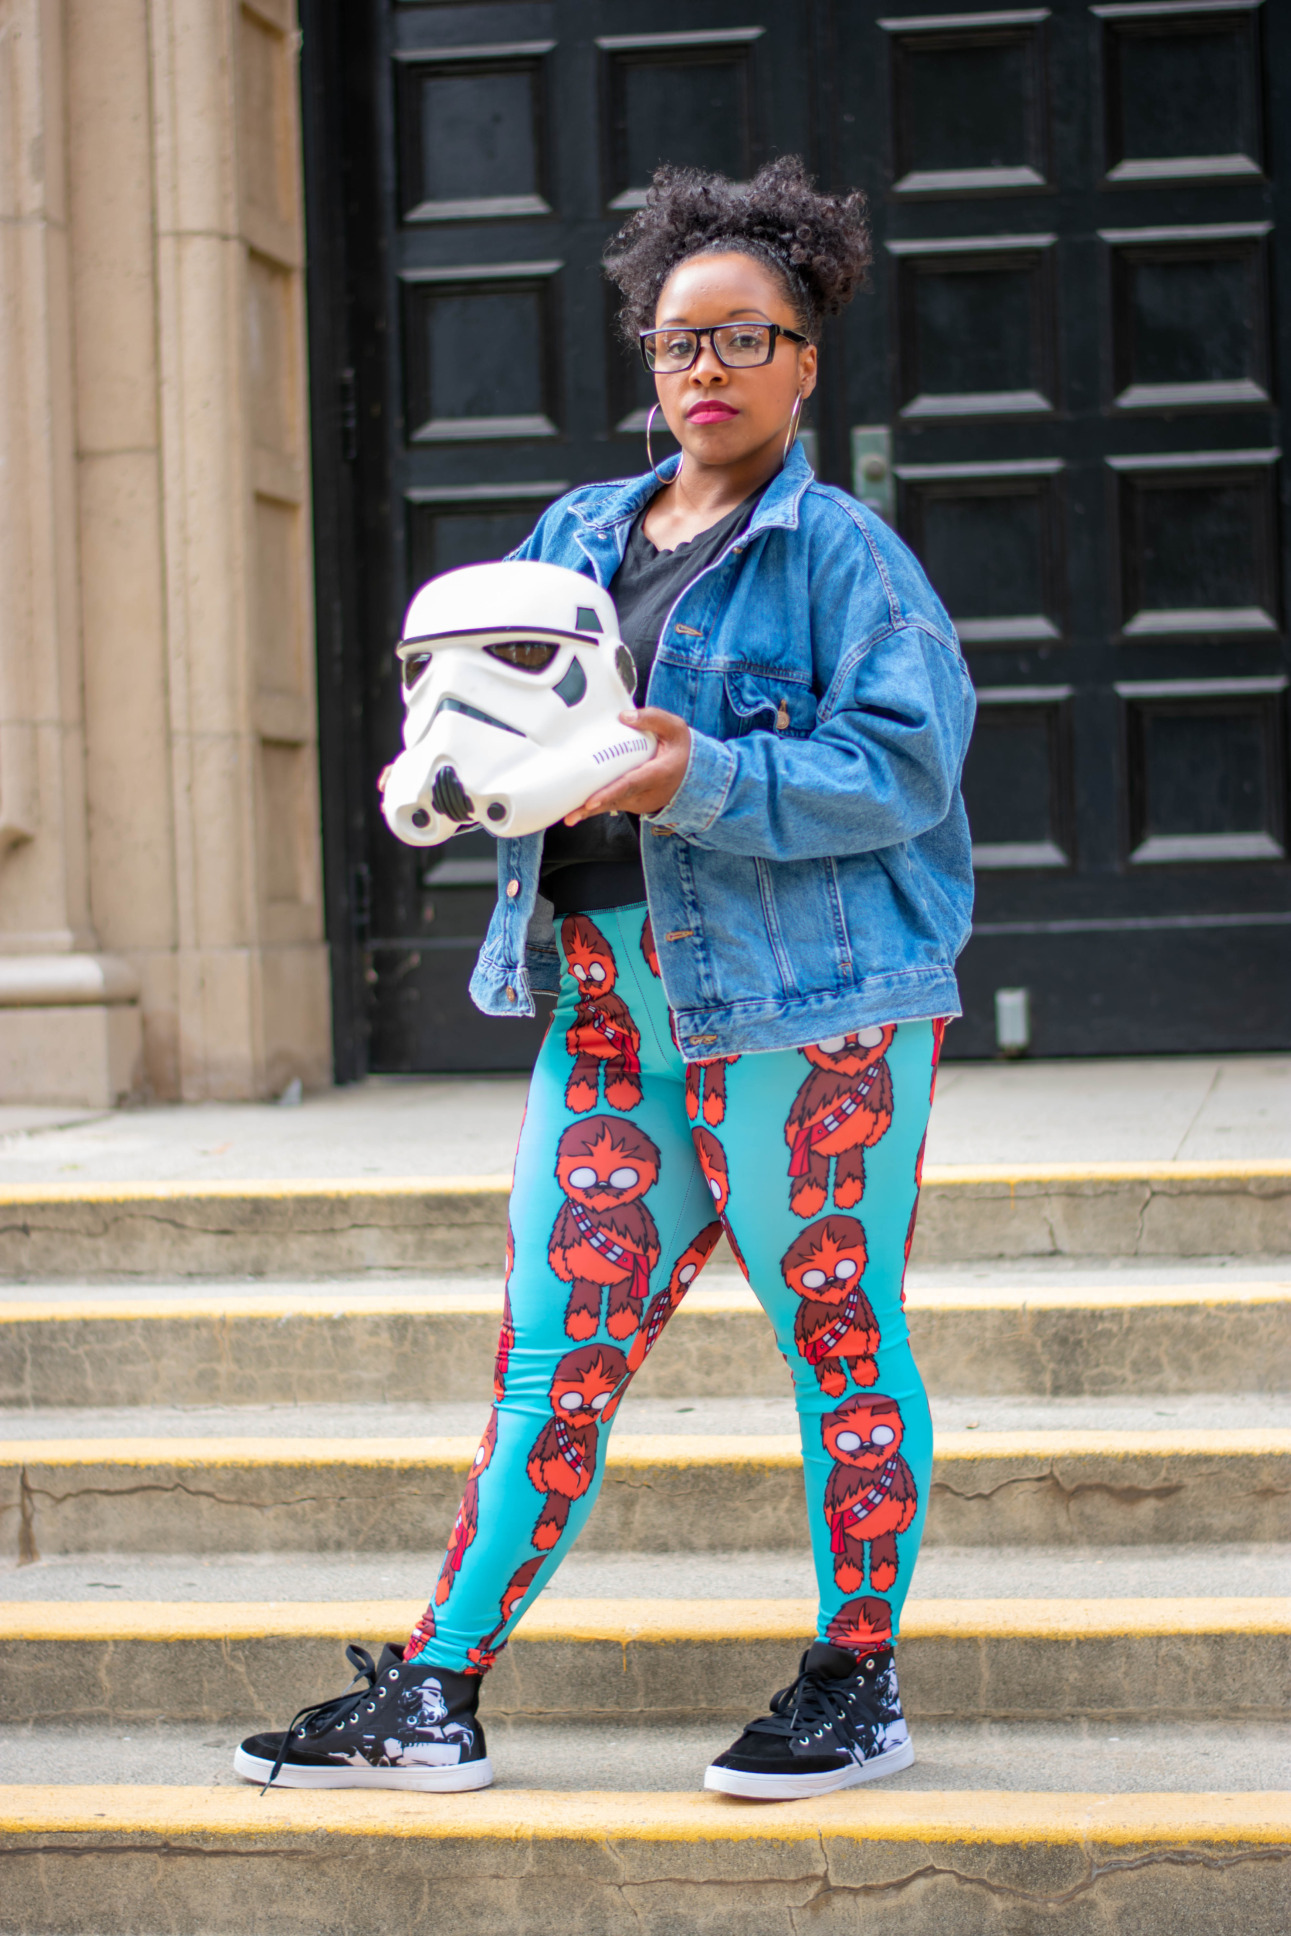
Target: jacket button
513, 888
511, 994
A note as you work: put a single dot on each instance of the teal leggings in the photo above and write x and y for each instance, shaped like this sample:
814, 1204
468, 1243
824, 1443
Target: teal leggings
630, 1165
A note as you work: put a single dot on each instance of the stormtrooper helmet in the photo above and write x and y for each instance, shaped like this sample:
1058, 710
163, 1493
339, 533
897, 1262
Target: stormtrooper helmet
514, 676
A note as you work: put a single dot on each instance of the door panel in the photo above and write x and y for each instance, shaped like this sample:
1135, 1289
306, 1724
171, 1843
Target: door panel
1064, 386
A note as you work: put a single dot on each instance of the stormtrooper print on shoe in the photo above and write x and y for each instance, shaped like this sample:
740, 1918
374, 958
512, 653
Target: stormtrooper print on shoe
410, 1726
840, 1723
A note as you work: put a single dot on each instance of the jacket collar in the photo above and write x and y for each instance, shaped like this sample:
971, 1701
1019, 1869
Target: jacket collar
604, 506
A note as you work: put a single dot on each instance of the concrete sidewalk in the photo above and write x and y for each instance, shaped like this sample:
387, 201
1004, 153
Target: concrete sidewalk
1151, 1109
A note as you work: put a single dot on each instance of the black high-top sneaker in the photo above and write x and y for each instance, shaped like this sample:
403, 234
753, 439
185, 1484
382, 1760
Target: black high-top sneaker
839, 1724
408, 1726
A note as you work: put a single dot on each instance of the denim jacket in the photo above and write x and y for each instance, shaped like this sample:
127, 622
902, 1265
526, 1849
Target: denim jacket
812, 874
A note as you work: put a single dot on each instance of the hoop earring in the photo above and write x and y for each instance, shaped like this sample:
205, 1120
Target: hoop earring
654, 412
793, 428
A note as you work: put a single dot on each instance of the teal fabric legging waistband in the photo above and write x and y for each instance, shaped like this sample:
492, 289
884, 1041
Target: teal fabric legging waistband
630, 1164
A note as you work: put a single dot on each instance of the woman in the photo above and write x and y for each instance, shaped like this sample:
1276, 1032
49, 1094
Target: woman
752, 953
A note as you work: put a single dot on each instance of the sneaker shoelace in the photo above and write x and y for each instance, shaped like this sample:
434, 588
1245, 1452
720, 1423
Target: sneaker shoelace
329, 1714
810, 1705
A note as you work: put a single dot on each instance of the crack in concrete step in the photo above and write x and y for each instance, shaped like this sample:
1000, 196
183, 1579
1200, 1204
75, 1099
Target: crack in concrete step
659, 1661
964, 1864
660, 1494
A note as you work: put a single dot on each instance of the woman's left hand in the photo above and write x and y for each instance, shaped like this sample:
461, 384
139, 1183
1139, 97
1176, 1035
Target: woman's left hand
647, 788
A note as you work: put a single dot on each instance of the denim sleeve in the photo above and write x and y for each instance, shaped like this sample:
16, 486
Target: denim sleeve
881, 767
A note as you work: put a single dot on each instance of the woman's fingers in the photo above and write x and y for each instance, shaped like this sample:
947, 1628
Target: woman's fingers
650, 786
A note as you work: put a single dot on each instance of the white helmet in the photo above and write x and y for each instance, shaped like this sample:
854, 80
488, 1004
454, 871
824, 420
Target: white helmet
514, 677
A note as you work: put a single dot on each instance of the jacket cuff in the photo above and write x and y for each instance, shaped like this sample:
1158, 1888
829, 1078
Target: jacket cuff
699, 800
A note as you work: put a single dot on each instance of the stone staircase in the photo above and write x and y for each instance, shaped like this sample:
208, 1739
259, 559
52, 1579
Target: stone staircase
207, 1488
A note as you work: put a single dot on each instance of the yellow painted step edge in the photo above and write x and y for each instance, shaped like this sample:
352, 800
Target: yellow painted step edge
630, 1450
936, 1176
516, 1815
324, 1305
645, 1622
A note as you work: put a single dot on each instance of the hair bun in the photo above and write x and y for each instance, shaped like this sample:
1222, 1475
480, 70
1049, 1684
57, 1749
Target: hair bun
819, 244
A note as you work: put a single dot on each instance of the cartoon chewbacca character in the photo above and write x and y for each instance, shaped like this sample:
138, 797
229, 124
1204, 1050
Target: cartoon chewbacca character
860, 1624
664, 1302
586, 1389
717, 1175
604, 1236
507, 1334
603, 1034
468, 1514
870, 1495
841, 1110
649, 952
835, 1329
423, 1632
483, 1654
938, 1037
706, 1088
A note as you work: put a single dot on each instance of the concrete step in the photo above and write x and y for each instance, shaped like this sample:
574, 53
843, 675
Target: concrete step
944, 1573
303, 1228
660, 1494
724, 1417
211, 1862
656, 1661
1117, 1757
1107, 1333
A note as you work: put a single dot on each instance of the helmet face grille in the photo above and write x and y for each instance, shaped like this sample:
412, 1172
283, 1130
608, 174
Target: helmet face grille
449, 797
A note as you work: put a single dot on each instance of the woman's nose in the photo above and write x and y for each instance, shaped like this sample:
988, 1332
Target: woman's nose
707, 365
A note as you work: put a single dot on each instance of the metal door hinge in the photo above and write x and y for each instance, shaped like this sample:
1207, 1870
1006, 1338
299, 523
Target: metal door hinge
361, 900
872, 478
349, 413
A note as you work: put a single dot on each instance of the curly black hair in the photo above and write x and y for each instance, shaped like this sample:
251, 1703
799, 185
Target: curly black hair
818, 246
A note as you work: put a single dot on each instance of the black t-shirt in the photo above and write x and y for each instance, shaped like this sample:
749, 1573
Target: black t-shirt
597, 864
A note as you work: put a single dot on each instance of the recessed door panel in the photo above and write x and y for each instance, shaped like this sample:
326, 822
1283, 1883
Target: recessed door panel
479, 355
447, 529
1206, 770
1182, 91
969, 105
1198, 546
472, 135
988, 537
685, 98
1189, 317
1017, 779
975, 329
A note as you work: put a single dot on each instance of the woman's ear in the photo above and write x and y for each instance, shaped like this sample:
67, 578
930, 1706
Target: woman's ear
808, 358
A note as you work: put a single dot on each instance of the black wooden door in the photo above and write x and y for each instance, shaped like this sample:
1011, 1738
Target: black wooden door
1062, 388
1074, 348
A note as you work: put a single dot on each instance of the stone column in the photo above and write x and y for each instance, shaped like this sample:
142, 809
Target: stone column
69, 1018
174, 569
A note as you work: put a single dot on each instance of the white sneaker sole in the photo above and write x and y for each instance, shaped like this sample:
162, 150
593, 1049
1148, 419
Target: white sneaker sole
797, 1788
435, 1781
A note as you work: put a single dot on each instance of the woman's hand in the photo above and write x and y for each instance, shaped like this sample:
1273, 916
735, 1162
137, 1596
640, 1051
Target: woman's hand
650, 787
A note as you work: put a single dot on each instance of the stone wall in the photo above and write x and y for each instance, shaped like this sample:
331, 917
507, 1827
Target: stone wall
160, 899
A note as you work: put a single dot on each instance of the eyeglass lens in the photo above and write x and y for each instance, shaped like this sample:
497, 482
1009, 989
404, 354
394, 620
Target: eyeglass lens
738, 345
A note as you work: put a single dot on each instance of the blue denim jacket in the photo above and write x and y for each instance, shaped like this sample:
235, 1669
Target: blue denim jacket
812, 875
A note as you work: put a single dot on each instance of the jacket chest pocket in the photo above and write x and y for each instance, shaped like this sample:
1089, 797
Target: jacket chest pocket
759, 702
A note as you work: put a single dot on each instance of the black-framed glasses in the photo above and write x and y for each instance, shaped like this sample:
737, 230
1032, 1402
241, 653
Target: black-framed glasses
740, 346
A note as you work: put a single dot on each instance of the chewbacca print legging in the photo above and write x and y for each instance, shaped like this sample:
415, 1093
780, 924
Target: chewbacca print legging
630, 1165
